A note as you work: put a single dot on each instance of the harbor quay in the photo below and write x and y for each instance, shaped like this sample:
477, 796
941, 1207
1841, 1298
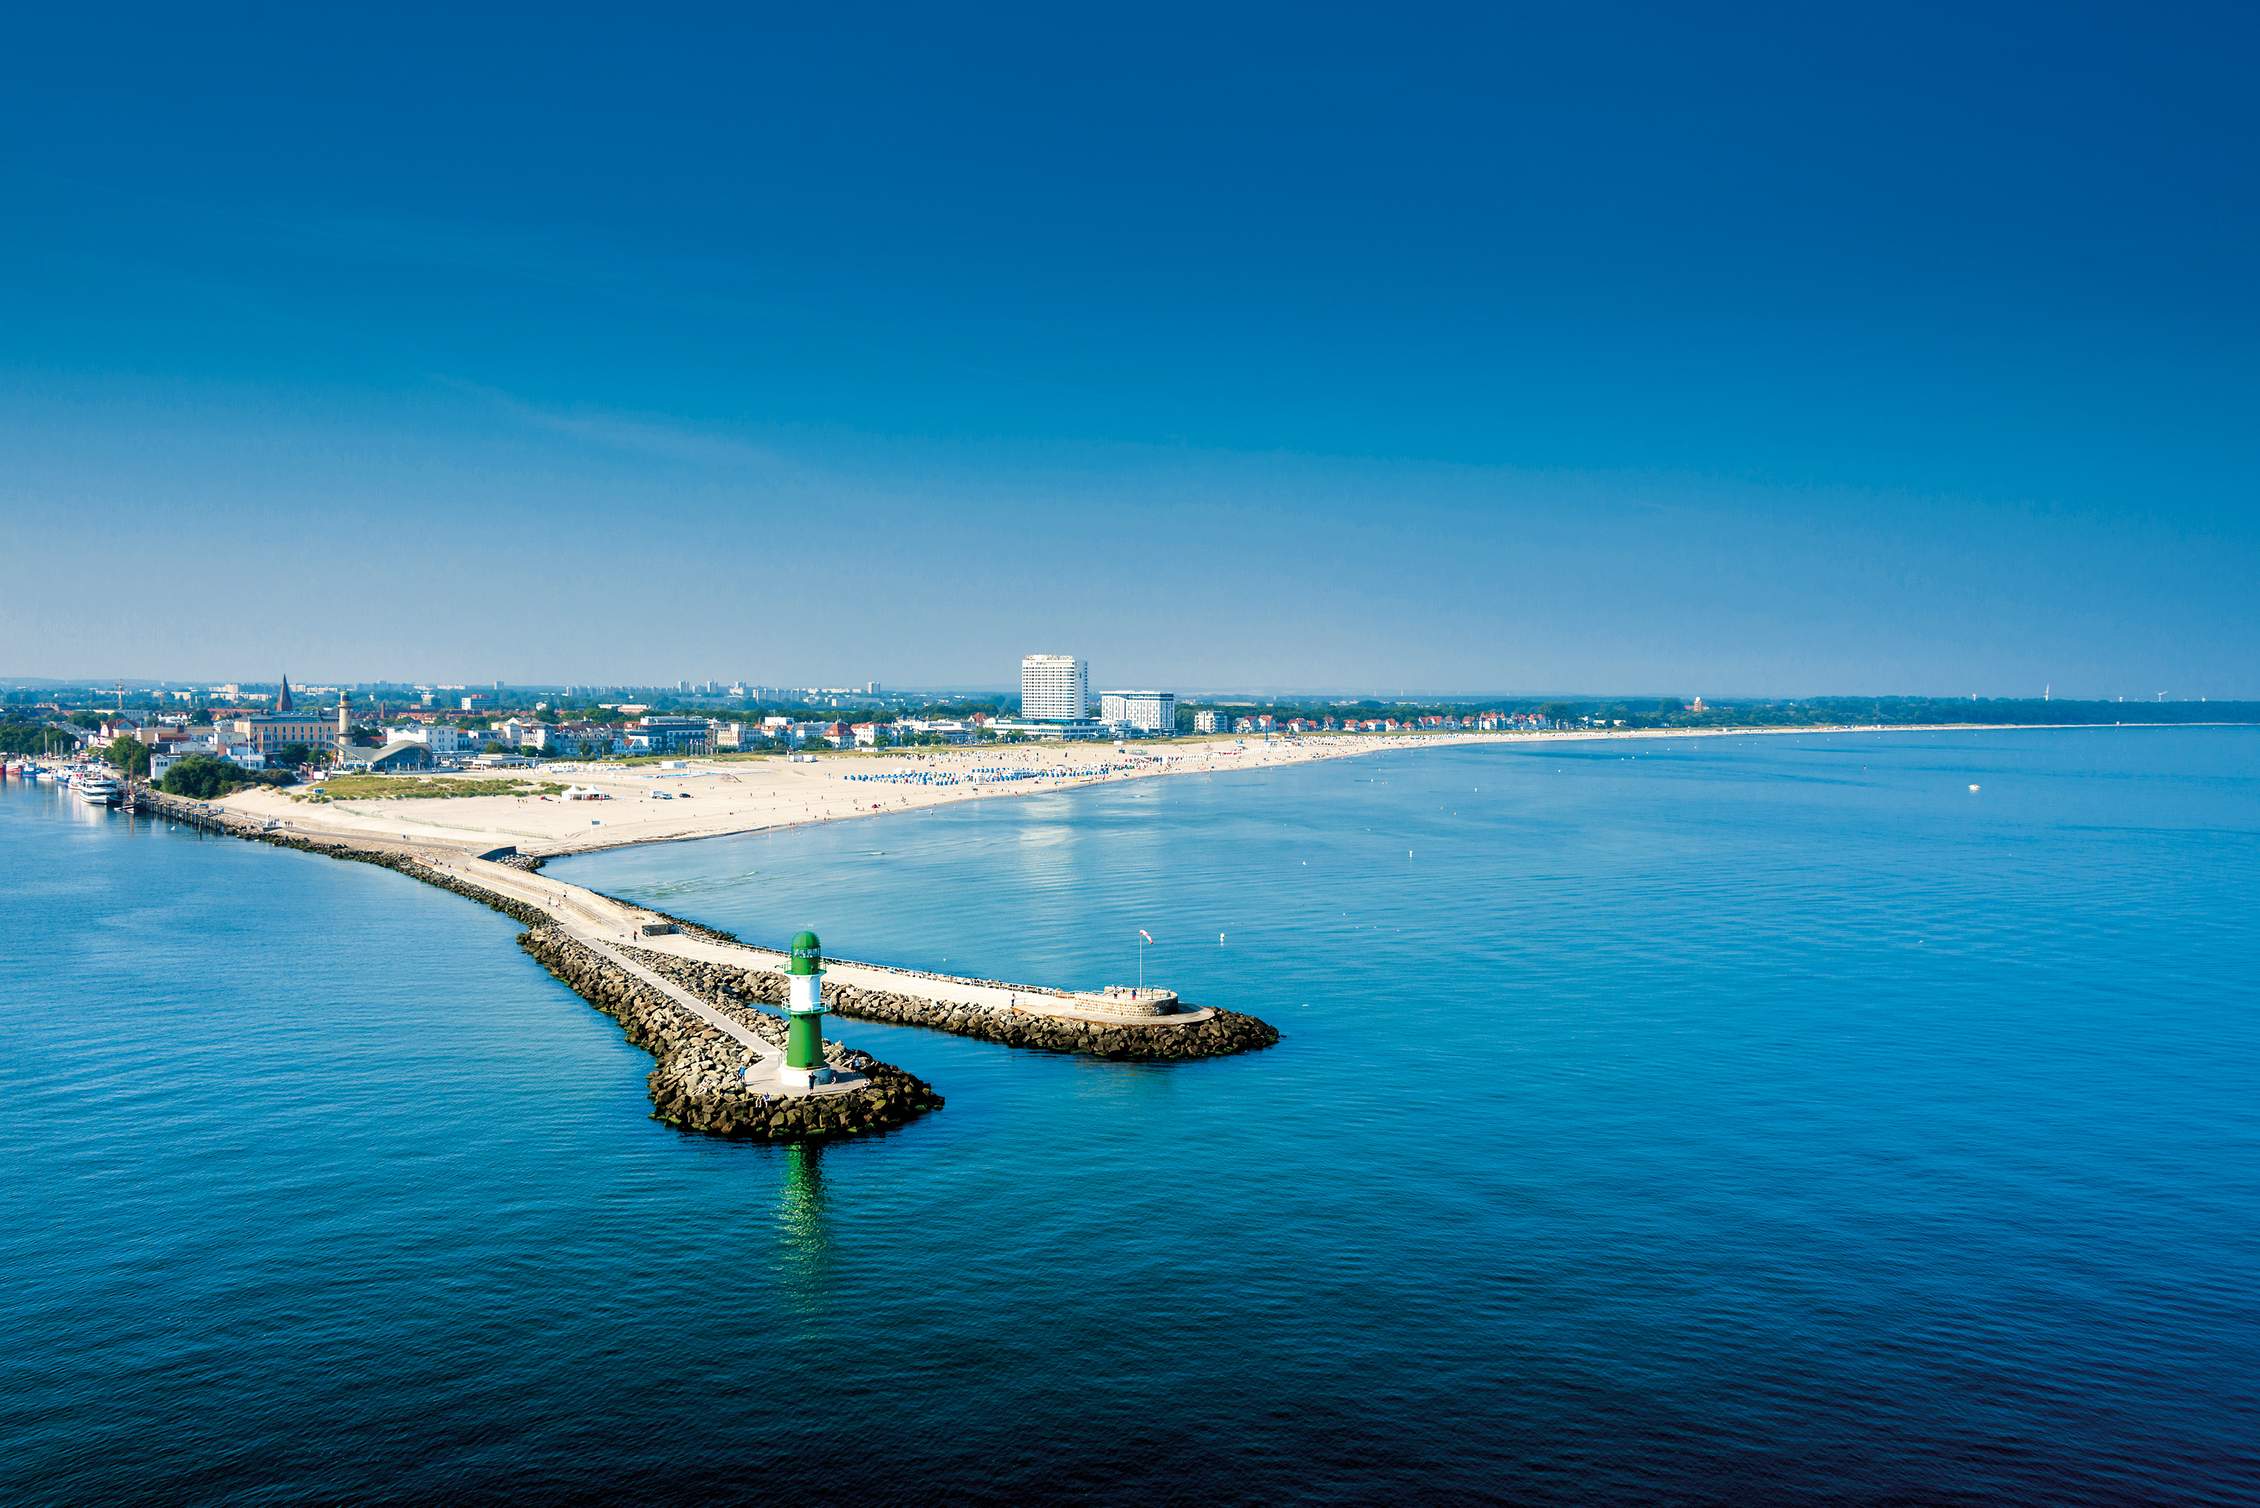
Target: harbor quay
705, 1004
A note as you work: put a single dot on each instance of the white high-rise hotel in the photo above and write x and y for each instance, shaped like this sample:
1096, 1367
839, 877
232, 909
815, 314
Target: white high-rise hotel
1054, 688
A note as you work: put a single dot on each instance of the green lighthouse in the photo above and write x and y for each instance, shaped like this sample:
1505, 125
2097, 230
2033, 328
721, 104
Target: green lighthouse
804, 1020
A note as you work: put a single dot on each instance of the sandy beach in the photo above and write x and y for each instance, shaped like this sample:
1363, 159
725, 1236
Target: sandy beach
705, 798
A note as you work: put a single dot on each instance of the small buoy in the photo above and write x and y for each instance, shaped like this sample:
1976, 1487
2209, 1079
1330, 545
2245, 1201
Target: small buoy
1973, 790
1220, 939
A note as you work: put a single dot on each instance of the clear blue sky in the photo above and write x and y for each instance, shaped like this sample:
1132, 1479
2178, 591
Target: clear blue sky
1567, 348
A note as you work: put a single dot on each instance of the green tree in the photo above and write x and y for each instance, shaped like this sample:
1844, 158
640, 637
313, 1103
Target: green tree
129, 755
202, 777
30, 738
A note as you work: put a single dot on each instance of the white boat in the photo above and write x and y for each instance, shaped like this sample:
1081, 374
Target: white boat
100, 790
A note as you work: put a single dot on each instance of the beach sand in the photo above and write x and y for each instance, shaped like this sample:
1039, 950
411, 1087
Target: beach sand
704, 798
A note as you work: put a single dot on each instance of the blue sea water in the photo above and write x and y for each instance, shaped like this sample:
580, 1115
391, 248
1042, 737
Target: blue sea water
1719, 1120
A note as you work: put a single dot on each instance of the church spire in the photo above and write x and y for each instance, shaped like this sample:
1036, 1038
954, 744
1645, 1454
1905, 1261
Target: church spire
282, 697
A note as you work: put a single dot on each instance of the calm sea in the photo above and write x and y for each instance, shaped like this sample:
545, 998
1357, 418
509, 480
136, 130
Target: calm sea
1721, 1120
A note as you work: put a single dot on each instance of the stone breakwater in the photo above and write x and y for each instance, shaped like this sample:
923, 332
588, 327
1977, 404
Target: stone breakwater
1223, 1033
697, 1083
212, 819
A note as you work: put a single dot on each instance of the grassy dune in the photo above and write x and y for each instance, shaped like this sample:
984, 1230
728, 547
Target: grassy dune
420, 787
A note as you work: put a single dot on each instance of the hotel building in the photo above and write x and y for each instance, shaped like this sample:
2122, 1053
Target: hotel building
1054, 688
271, 732
1139, 711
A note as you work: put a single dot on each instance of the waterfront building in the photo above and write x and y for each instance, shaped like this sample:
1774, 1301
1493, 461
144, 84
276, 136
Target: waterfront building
574, 740
397, 758
443, 739
948, 730
1212, 722
1049, 729
1153, 712
672, 735
680, 735
267, 732
1054, 688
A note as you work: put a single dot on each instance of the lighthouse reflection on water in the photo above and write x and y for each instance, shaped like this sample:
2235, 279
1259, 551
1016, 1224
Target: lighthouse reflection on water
804, 1235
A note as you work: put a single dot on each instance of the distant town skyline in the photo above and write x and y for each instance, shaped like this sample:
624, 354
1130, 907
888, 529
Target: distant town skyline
708, 686
1749, 354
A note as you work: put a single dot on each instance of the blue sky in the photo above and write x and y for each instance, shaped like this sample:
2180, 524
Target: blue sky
1764, 350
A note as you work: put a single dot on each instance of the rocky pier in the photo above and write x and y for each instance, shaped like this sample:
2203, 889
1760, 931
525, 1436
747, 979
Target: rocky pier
1217, 1034
700, 1081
